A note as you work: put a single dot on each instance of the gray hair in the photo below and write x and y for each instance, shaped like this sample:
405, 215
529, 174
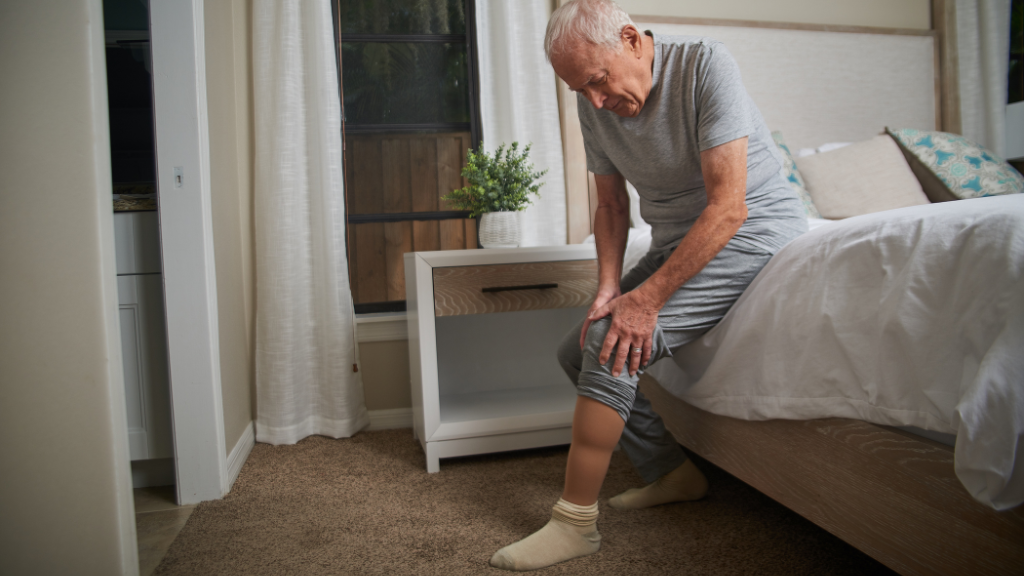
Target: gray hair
597, 22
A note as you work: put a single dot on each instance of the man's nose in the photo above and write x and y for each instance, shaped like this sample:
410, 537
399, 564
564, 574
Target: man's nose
596, 98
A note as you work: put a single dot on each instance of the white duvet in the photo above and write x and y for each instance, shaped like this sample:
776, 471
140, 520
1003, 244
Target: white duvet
911, 317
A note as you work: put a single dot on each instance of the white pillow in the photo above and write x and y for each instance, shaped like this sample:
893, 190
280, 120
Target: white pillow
861, 178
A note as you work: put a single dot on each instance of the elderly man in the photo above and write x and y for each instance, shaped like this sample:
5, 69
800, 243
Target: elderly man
670, 115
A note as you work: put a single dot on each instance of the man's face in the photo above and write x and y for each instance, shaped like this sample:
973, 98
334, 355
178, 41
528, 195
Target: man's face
615, 81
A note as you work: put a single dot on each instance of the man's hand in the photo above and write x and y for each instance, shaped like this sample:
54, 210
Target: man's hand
634, 317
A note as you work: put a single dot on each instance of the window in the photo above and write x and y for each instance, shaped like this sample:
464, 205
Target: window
410, 116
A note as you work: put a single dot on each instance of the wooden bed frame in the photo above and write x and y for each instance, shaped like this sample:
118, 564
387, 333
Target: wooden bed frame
891, 494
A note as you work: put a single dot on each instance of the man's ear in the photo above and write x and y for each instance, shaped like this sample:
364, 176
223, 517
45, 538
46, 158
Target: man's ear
631, 36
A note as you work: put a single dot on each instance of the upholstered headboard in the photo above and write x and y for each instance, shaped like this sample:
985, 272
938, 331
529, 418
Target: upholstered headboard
827, 85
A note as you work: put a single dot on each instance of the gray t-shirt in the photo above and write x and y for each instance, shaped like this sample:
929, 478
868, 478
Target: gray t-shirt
697, 101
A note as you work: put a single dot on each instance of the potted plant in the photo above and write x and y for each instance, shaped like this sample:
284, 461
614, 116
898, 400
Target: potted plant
499, 187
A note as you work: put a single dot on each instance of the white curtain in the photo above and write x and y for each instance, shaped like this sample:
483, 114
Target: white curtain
519, 102
983, 48
305, 337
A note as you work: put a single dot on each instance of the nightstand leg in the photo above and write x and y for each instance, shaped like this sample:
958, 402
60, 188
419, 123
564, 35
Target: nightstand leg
433, 461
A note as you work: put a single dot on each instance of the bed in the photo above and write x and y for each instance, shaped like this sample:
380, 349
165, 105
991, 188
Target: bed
916, 504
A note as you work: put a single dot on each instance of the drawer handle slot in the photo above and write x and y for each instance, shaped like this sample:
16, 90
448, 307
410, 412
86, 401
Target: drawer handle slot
523, 287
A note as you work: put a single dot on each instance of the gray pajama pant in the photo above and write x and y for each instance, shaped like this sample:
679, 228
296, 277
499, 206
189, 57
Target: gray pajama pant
690, 312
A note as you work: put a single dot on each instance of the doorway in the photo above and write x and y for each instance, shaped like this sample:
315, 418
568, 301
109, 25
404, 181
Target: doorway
176, 177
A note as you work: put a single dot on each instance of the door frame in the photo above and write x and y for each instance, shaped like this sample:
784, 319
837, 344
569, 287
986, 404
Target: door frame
186, 244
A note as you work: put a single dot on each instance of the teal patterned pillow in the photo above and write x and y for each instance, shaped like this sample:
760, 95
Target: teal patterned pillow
963, 168
792, 174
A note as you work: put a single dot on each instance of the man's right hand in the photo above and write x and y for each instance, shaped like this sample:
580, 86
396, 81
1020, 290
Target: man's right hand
603, 297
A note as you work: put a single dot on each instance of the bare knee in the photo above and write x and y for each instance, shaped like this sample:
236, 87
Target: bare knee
596, 425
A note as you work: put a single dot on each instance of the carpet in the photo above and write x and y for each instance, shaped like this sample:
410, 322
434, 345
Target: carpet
365, 505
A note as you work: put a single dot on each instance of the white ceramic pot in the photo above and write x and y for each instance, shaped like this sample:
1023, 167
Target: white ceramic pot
500, 230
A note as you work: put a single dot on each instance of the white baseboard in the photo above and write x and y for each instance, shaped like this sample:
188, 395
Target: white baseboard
240, 453
389, 419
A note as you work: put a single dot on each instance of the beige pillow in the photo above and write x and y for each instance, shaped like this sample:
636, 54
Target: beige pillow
861, 178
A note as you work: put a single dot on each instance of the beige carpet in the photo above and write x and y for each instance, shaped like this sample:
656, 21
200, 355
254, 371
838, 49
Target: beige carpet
366, 505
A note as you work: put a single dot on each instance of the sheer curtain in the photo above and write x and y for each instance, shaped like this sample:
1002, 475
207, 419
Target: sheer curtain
518, 102
305, 330
983, 48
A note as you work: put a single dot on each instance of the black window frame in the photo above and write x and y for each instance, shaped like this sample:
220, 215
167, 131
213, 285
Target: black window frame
473, 126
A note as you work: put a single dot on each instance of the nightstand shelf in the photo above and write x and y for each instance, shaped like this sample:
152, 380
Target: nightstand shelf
479, 413
484, 327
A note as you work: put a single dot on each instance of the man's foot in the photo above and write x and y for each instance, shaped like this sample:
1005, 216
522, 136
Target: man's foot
571, 533
684, 483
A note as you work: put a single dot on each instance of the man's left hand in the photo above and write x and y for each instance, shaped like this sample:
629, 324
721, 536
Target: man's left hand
634, 317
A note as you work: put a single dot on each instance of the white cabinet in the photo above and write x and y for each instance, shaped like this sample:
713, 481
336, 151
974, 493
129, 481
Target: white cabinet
140, 305
484, 327
143, 335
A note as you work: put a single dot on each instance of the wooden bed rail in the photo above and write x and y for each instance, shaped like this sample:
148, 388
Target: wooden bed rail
891, 494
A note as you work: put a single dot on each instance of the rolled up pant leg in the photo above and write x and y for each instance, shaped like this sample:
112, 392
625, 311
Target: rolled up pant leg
693, 310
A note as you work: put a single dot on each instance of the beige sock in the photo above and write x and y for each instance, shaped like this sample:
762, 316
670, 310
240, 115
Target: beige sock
571, 533
684, 483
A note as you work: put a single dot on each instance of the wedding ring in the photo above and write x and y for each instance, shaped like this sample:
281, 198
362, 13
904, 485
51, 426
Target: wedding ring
637, 350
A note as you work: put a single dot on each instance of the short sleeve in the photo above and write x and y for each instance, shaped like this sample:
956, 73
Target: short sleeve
723, 107
597, 160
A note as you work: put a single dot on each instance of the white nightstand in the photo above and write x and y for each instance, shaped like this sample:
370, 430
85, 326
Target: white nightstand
484, 327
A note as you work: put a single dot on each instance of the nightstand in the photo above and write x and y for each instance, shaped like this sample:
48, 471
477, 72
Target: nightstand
484, 329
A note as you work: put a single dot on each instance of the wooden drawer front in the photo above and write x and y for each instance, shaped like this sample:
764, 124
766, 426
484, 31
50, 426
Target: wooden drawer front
460, 290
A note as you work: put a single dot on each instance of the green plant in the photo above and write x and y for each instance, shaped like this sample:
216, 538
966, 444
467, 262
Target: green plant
496, 183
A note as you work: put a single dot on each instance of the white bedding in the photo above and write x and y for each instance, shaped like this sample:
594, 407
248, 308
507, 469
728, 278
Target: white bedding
912, 317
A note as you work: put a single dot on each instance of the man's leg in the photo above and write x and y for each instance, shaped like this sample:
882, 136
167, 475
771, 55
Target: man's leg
661, 462
596, 429
659, 459
649, 446
694, 309
572, 530
602, 409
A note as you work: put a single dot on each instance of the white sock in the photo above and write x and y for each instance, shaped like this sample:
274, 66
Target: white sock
684, 483
571, 533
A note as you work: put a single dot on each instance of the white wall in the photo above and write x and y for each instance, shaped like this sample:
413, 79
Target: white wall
65, 485
386, 380
229, 101
884, 13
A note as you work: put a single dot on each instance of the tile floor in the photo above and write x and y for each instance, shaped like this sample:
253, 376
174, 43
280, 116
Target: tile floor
157, 521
